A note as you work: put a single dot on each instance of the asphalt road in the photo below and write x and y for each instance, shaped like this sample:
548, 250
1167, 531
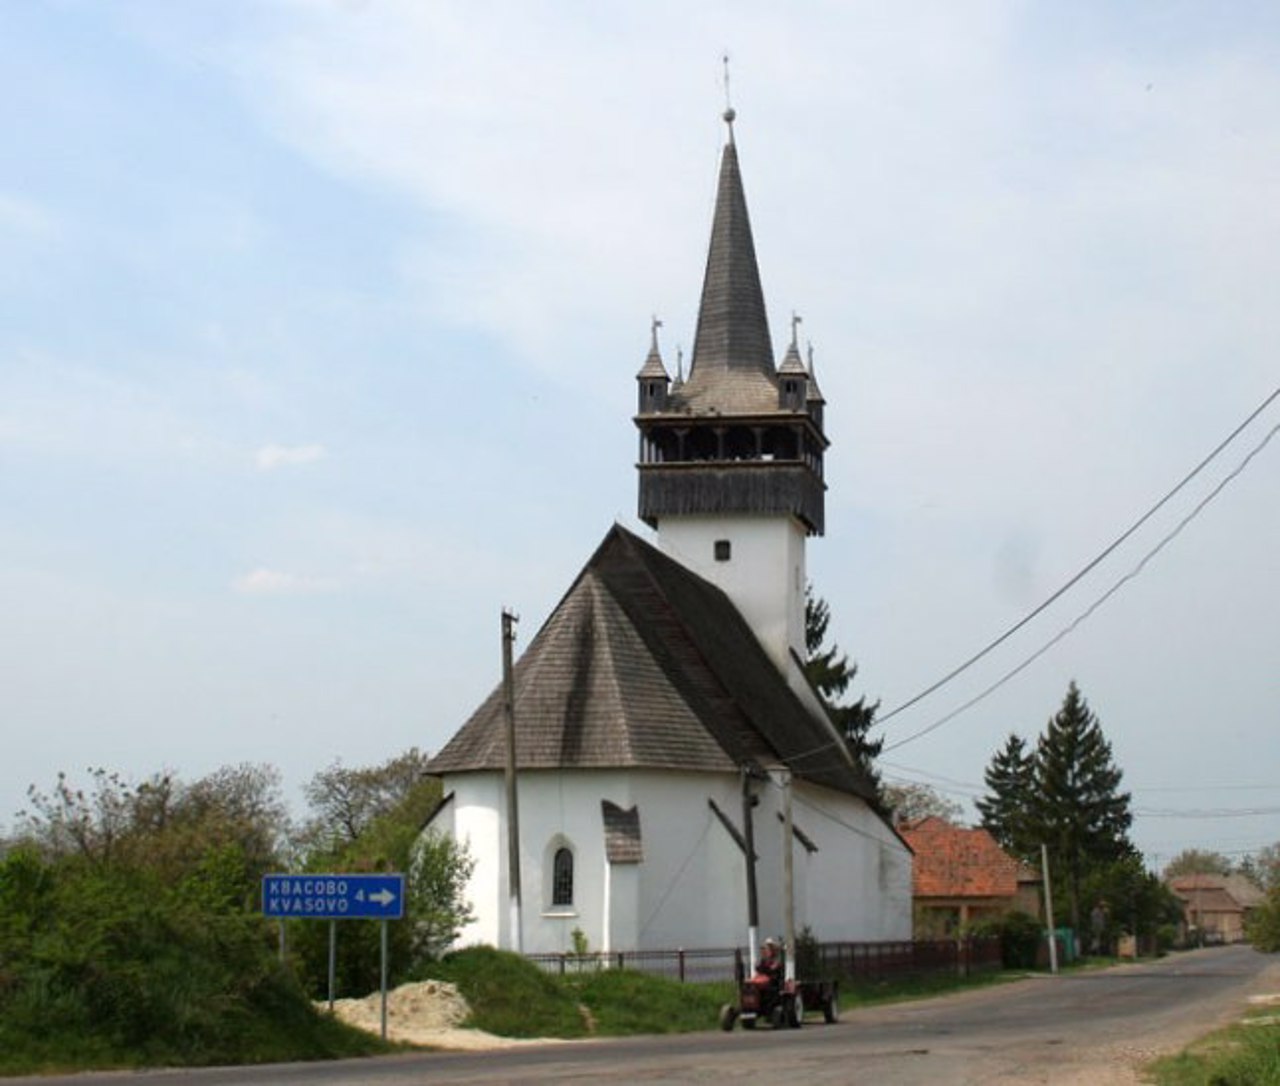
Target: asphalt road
1077, 1028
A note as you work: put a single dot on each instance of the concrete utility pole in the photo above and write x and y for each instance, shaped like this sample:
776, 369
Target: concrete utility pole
749, 839
513, 811
788, 873
1048, 907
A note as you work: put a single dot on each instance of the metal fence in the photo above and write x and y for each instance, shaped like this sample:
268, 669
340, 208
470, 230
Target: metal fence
872, 961
921, 958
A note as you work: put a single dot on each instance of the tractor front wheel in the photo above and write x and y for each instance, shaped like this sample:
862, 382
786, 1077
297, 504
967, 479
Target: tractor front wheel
796, 1015
727, 1015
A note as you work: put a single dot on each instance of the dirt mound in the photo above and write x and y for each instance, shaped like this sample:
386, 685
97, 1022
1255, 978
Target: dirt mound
430, 1012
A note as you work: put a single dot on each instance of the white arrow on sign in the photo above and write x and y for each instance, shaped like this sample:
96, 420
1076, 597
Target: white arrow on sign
382, 897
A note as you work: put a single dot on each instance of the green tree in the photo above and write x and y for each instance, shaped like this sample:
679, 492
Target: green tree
830, 673
438, 872
387, 805
910, 802
1078, 809
130, 932
1006, 808
1263, 925
162, 824
345, 801
1195, 861
1134, 901
1267, 867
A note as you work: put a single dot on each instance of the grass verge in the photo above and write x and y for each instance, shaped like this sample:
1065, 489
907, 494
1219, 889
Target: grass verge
53, 1033
512, 997
1241, 1055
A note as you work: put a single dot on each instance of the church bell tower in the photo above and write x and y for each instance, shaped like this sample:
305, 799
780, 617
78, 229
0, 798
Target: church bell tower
731, 456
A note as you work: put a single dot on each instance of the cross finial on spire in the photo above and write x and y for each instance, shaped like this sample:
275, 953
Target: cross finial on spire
729, 112
653, 331
795, 324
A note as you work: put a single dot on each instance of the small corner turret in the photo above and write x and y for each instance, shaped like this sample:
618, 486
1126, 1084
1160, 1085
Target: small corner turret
653, 380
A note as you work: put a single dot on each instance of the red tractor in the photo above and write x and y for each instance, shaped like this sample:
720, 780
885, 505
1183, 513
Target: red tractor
779, 1002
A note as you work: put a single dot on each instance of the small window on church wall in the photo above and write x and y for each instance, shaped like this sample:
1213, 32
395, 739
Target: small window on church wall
562, 877
723, 550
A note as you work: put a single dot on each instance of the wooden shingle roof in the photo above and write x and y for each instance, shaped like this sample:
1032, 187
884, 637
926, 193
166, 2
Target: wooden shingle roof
732, 370
643, 664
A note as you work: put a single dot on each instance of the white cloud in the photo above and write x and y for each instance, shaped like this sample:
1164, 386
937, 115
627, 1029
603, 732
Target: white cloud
272, 582
270, 457
19, 215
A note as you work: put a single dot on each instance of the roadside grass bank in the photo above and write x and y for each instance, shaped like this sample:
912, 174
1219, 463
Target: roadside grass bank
51, 1027
106, 967
512, 997
1240, 1055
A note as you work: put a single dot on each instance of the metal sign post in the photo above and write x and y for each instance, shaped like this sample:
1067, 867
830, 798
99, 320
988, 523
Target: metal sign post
333, 959
384, 980
335, 897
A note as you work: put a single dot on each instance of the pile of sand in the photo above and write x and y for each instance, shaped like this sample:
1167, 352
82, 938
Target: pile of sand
428, 1013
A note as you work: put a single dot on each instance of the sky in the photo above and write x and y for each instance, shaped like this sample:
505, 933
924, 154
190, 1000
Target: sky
319, 324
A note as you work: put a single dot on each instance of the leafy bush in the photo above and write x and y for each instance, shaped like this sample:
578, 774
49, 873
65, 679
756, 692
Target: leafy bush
112, 965
1020, 935
1263, 927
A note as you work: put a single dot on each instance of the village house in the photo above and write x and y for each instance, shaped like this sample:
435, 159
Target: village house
665, 733
960, 875
1215, 908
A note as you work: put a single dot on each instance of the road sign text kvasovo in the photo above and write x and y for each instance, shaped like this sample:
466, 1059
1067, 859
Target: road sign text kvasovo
333, 896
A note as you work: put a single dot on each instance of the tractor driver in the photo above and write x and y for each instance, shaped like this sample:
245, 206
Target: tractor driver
770, 964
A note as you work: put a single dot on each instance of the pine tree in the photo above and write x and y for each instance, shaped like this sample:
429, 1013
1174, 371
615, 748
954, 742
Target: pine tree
1007, 808
830, 673
1078, 811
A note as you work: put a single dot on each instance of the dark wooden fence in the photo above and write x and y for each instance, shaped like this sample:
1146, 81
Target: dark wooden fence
872, 961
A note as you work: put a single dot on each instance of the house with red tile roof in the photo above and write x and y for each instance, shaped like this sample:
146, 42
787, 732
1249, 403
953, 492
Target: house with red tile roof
961, 875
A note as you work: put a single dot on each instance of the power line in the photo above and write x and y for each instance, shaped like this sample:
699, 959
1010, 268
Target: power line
1212, 812
954, 672
1088, 612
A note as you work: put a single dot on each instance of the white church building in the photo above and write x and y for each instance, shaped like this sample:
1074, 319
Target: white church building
662, 717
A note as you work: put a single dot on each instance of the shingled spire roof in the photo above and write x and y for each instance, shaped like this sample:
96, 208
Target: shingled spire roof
732, 365
643, 664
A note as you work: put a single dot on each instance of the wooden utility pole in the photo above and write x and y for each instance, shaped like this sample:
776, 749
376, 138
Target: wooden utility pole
749, 839
513, 811
788, 875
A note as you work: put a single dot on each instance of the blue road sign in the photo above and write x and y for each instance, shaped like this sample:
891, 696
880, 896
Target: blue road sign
333, 897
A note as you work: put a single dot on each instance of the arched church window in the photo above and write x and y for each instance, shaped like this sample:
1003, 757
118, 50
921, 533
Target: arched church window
562, 877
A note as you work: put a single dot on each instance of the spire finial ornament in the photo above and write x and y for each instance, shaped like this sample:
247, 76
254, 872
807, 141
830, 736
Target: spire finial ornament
653, 332
809, 351
729, 112
795, 324
679, 364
